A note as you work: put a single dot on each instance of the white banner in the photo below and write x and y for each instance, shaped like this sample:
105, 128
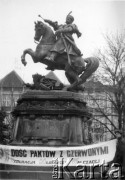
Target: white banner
47, 156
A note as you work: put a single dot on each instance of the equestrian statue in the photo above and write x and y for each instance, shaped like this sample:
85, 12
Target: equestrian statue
56, 48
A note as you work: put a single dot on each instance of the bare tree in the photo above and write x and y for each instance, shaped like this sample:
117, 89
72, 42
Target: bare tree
112, 75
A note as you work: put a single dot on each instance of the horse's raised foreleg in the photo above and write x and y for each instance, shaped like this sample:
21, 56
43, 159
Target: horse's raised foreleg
31, 53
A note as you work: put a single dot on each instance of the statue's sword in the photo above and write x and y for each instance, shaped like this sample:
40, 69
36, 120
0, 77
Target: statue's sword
69, 60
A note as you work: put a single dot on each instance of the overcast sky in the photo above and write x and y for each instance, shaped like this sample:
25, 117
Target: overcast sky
17, 17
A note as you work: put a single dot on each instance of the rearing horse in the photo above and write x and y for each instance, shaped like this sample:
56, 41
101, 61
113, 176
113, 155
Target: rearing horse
76, 72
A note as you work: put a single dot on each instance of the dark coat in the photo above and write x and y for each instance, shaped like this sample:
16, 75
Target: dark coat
120, 154
65, 38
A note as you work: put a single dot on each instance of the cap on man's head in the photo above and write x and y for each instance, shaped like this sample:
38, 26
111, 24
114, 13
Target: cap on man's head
70, 16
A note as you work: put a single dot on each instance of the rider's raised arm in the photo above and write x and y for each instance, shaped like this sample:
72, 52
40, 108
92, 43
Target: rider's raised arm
54, 24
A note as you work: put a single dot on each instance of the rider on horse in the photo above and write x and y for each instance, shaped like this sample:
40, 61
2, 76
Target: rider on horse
65, 41
69, 56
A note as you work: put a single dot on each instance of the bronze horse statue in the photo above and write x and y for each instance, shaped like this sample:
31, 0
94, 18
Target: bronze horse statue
76, 72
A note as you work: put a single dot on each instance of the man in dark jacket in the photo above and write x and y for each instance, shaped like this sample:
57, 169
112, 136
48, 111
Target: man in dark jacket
120, 153
119, 159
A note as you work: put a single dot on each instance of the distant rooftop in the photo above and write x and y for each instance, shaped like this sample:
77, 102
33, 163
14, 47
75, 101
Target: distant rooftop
96, 86
11, 80
14, 80
51, 75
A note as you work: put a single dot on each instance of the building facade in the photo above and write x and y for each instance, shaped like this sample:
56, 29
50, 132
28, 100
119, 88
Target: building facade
102, 109
11, 88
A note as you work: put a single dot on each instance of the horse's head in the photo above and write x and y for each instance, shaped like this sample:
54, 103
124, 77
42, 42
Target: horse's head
39, 30
44, 31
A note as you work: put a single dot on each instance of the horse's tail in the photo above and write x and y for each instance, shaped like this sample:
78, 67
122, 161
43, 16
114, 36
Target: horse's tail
92, 65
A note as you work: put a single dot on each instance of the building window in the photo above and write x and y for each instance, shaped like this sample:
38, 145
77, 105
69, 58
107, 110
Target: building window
6, 101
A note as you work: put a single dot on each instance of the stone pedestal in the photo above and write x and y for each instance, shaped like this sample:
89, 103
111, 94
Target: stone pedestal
50, 118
